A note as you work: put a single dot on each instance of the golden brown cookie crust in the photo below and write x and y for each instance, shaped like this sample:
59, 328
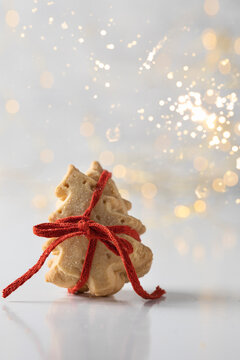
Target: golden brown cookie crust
107, 275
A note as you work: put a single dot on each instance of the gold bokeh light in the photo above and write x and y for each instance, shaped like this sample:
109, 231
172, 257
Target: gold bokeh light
46, 79
182, 211
218, 185
237, 46
87, 129
106, 158
209, 39
200, 206
12, 106
149, 190
200, 163
211, 7
230, 178
12, 18
46, 156
39, 201
119, 171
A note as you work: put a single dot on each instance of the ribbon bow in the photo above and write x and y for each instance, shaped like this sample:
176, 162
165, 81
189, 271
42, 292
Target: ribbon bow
68, 227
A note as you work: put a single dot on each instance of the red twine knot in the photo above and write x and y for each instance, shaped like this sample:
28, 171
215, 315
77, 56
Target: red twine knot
83, 225
65, 228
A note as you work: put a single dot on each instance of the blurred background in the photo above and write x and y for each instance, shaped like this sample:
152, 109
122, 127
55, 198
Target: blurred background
151, 90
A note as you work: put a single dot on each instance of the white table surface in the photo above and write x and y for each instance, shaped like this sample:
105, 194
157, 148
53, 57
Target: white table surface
197, 319
186, 324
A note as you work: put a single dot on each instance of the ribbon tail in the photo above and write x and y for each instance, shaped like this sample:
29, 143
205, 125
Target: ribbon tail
132, 275
33, 270
86, 267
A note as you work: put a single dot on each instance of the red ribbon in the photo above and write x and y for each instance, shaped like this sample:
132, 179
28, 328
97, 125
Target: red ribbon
71, 226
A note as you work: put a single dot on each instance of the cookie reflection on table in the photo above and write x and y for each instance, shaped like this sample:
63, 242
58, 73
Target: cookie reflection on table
79, 326
28, 330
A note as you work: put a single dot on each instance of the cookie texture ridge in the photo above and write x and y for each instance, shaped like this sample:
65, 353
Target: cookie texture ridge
107, 275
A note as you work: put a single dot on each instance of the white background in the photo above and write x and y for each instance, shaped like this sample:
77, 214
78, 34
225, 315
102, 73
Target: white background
50, 66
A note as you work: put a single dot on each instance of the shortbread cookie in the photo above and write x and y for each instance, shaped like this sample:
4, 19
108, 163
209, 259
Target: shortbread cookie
107, 275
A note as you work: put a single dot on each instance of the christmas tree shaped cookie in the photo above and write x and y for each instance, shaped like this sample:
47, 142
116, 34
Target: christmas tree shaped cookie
108, 274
